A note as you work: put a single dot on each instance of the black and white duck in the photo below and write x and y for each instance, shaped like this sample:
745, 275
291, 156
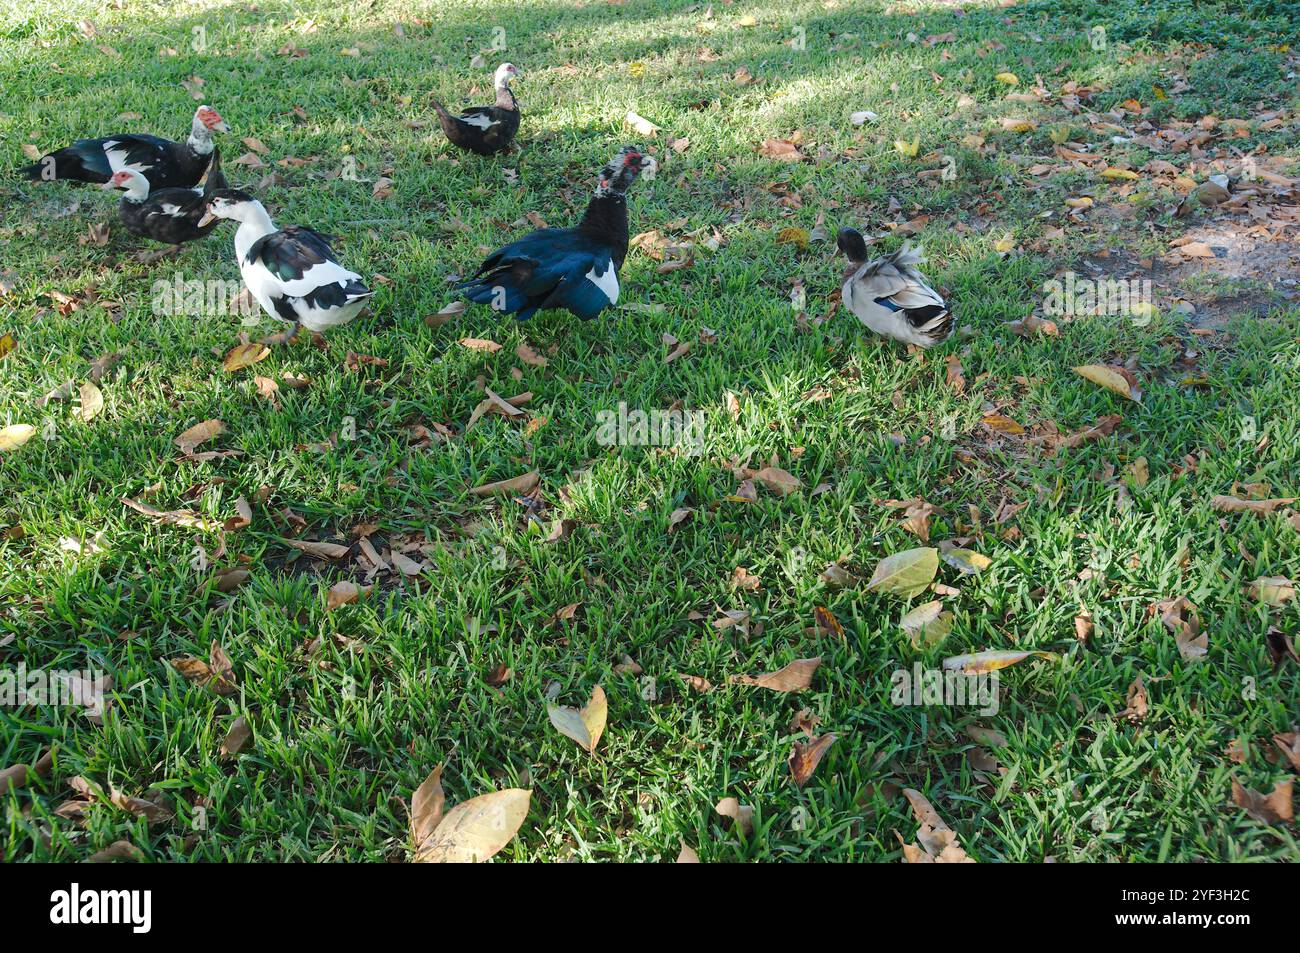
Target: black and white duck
291, 271
890, 296
171, 216
485, 129
166, 164
573, 268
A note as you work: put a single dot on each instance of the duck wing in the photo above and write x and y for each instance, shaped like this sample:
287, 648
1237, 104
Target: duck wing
299, 260
549, 268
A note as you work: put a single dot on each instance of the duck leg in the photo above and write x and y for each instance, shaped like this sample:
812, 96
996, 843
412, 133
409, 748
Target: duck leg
286, 337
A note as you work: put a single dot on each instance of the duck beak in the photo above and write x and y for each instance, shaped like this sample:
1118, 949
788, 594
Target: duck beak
108, 185
648, 168
222, 126
207, 217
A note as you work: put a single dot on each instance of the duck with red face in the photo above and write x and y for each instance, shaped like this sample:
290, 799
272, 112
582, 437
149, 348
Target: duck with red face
171, 216
164, 163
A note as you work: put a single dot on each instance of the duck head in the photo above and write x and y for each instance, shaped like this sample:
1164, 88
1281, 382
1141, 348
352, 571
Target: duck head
504, 74
234, 204
854, 246
129, 181
621, 171
207, 121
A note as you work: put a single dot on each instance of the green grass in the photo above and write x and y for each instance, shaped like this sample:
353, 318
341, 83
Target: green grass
342, 737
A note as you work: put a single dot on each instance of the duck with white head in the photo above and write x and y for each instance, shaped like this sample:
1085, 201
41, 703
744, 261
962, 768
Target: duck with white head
291, 271
485, 130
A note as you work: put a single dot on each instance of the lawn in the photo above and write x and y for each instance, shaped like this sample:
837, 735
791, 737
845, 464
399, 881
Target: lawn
659, 573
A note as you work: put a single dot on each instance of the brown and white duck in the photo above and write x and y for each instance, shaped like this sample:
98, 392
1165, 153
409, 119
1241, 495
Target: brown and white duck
890, 296
485, 129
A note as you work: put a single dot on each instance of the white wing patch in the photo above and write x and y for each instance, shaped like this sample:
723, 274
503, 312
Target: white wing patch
606, 281
117, 158
317, 276
478, 121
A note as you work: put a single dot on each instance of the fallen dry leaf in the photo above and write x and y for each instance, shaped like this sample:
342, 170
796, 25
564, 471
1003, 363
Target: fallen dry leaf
238, 736
244, 355
14, 436
804, 758
991, 661
906, 574
520, 484
927, 625
741, 815
585, 725
318, 549
474, 830
342, 593
1276, 807
937, 841
778, 480
1233, 504
200, 433
1136, 699
1113, 378
794, 677
1181, 617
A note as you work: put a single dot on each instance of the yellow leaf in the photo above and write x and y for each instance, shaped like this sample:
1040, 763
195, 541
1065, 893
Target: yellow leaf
1083, 201
244, 355
927, 624
586, 725
1273, 590
1003, 424
793, 236
474, 830
967, 560
1011, 79
907, 149
1114, 378
1114, 173
92, 402
981, 662
14, 436
1141, 313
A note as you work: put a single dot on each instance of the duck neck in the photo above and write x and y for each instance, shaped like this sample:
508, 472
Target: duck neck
200, 140
254, 224
138, 192
505, 98
606, 219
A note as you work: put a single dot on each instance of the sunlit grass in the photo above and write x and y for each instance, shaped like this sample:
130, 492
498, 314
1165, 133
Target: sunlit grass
342, 737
